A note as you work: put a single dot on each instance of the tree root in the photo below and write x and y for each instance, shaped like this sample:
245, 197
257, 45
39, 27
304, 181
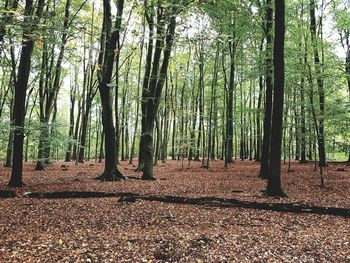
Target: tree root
40, 168
111, 176
149, 178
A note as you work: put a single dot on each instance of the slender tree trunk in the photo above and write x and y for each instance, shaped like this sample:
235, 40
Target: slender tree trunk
48, 97
200, 100
250, 123
98, 127
158, 140
71, 122
242, 139
138, 98
321, 140
174, 110
229, 103
101, 155
194, 109
345, 41
166, 124
258, 114
302, 116
118, 24
76, 132
212, 99
84, 130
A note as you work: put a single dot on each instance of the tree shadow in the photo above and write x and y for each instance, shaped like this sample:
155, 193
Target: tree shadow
202, 201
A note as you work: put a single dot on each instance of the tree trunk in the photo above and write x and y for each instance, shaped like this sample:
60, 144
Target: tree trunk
229, 104
264, 165
302, 116
138, 97
274, 179
194, 108
109, 41
48, 97
145, 86
155, 91
210, 150
71, 122
258, 114
20, 95
200, 101
321, 149
84, 129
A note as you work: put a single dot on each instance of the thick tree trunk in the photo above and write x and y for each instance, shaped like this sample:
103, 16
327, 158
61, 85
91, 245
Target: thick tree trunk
20, 96
155, 91
274, 178
43, 144
108, 45
145, 87
264, 165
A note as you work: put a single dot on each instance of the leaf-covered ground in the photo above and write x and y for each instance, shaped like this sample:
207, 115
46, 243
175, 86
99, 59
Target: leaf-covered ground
105, 230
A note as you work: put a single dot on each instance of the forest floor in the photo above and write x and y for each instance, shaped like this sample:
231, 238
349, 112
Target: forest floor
117, 229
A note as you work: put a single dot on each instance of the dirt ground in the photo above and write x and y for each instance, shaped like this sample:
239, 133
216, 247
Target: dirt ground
107, 230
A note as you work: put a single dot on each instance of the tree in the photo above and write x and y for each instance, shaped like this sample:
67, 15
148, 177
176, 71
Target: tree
28, 40
265, 154
320, 86
274, 177
109, 39
157, 73
342, 18
48, 93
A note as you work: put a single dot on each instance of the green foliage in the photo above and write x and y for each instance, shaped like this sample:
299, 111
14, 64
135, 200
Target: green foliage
201, 27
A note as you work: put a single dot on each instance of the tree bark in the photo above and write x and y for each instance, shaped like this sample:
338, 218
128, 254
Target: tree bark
48, 97
274, 187
319, 80
229, 103
106, 59
155, 90
264, 164
20, 92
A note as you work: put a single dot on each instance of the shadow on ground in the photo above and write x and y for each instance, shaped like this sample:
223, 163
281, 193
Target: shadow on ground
204, 201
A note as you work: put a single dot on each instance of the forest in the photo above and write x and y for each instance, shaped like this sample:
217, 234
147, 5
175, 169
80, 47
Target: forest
174, 130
